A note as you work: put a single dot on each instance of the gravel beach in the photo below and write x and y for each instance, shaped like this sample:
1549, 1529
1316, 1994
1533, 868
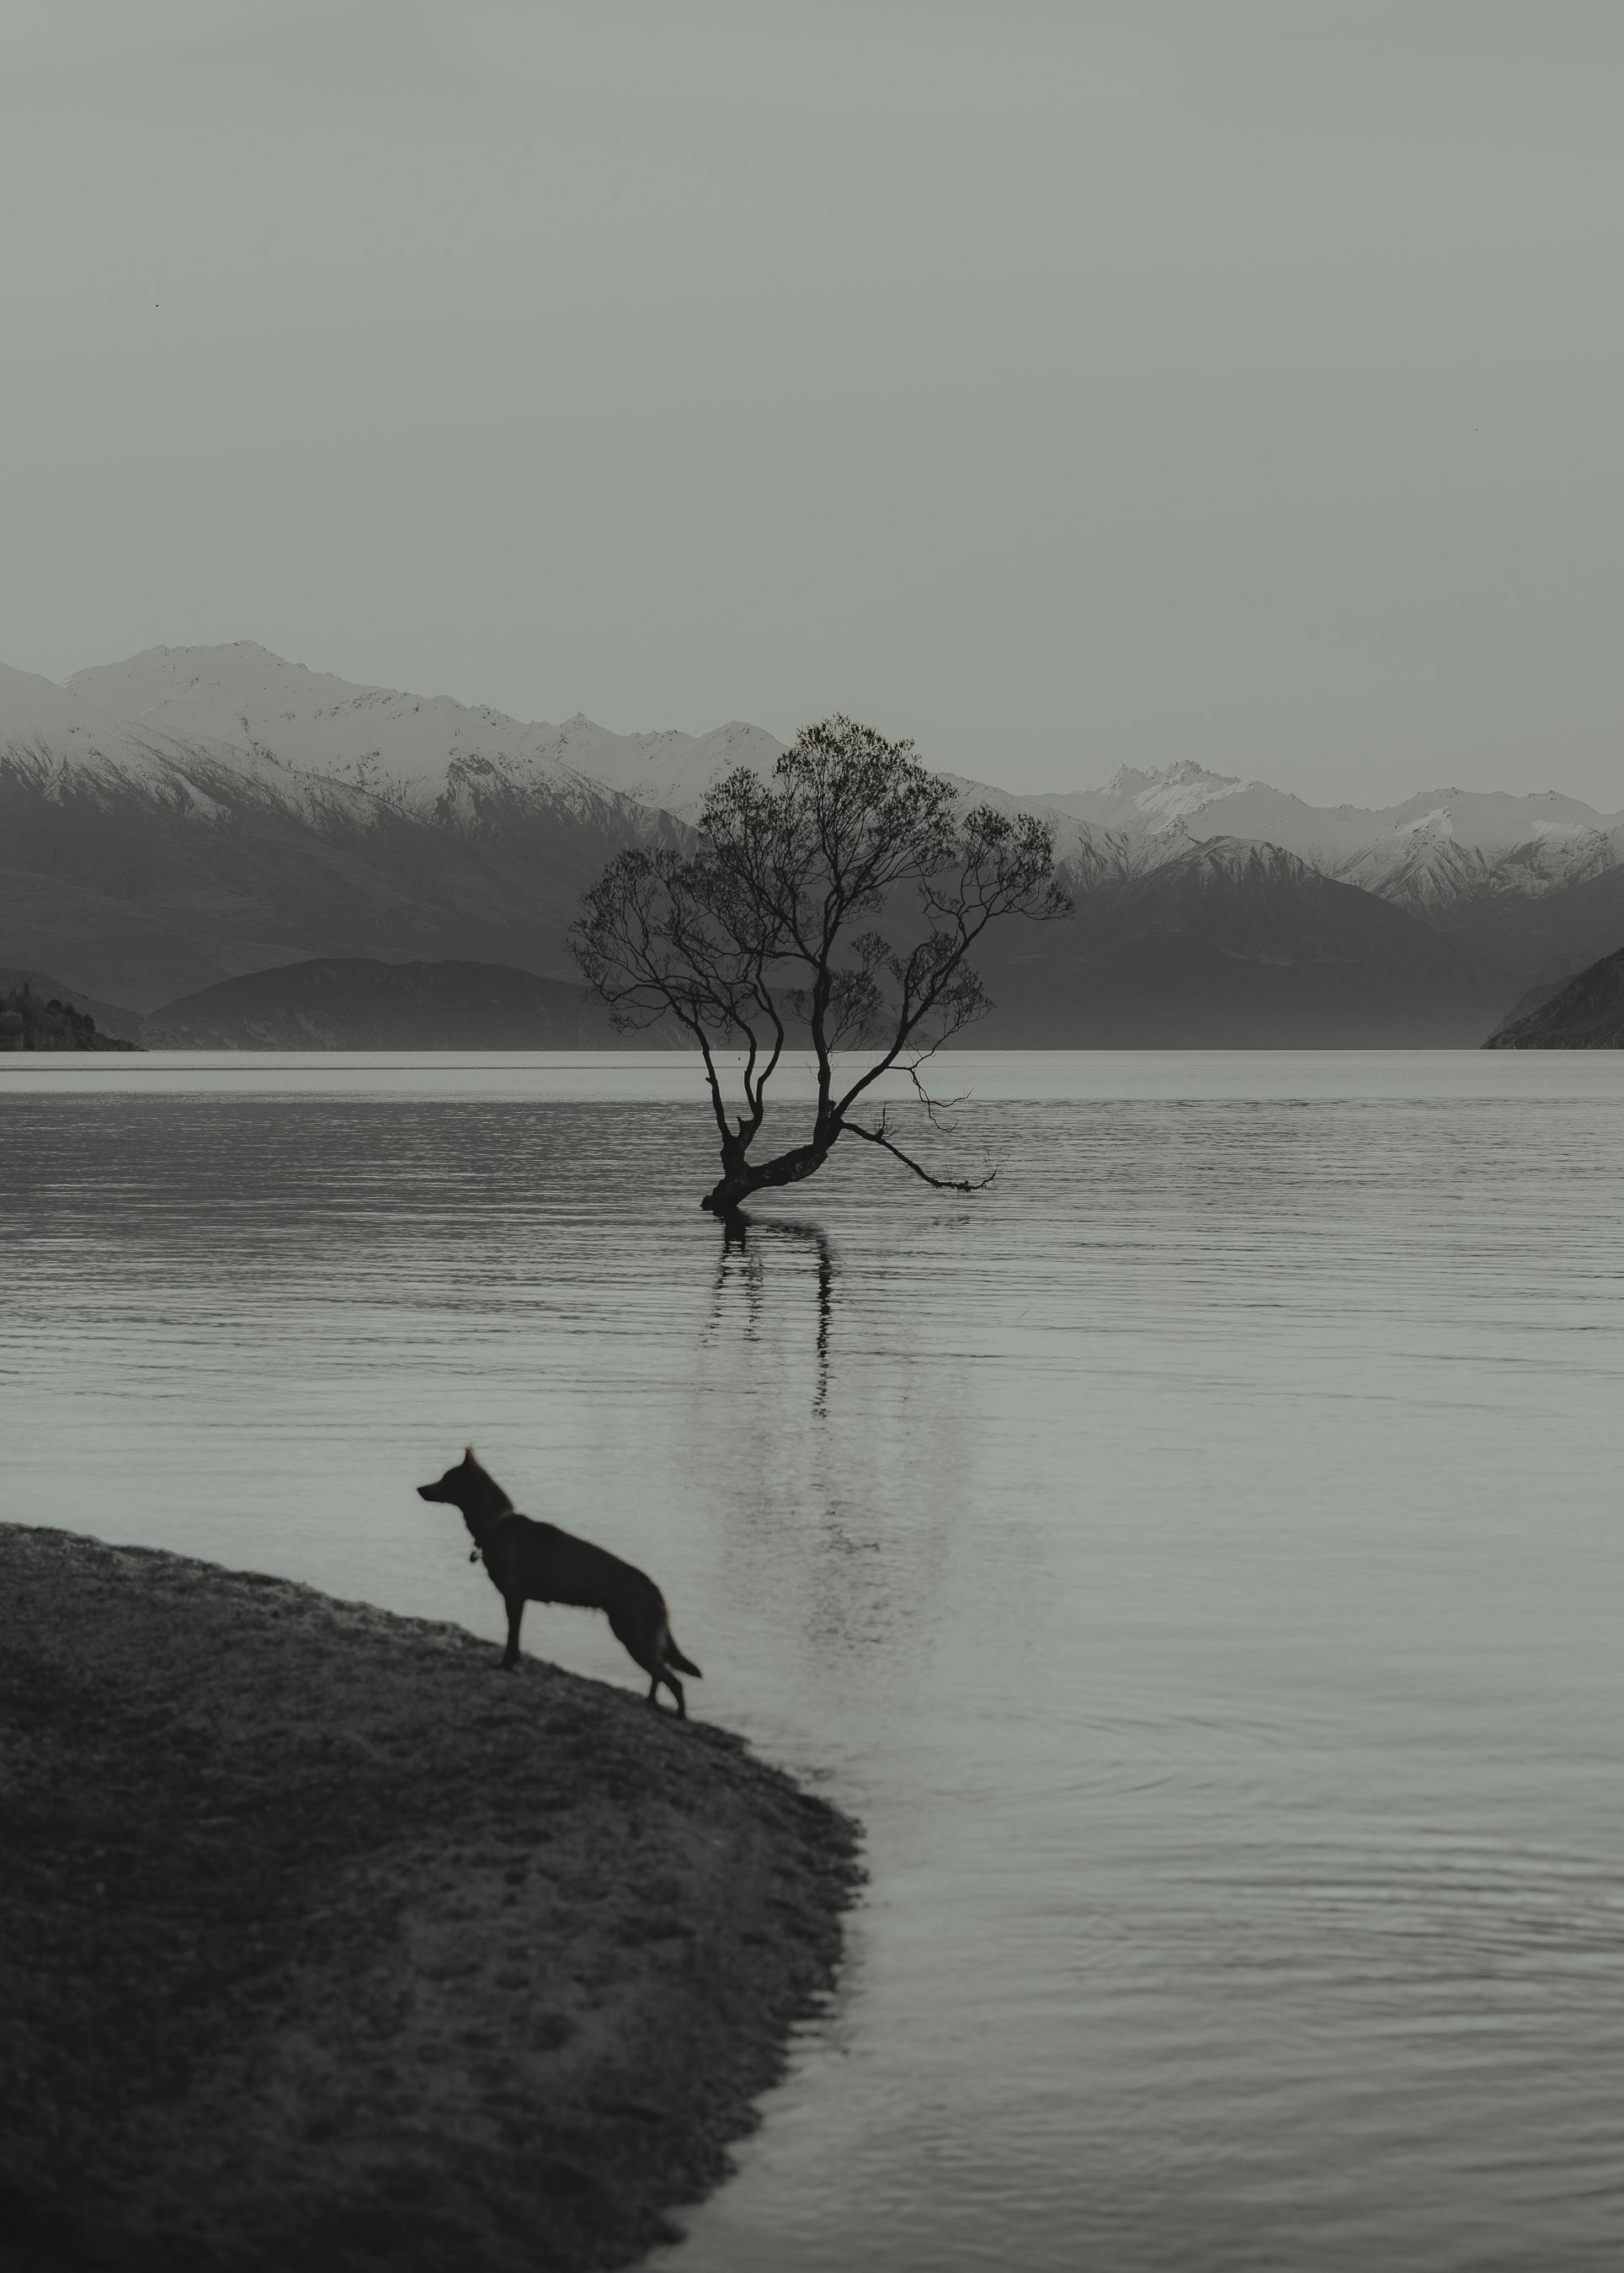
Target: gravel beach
323, 1940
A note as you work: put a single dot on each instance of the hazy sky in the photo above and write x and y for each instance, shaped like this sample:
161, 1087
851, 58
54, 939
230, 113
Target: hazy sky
1066, 385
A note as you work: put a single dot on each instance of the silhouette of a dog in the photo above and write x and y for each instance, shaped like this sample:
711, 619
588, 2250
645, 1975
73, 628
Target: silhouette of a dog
531, 1562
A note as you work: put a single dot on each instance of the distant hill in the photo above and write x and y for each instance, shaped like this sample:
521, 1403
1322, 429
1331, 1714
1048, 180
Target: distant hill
356, 1002
1236, 946
108, 1017
1586, 1013
35, 1021
1525, 1004
1549, 930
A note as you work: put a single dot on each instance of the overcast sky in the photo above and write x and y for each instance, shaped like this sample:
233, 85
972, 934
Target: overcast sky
1065, 385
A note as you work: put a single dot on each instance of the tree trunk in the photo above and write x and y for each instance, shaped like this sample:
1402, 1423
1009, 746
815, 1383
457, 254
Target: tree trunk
742, 1178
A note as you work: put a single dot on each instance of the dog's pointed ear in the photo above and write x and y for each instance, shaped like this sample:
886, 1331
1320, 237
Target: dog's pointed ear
468, 1452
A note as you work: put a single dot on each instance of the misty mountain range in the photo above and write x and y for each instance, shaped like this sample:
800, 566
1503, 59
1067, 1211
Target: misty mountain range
196, 815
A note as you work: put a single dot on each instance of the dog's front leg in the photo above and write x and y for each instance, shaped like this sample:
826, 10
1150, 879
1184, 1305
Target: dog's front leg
515, 1612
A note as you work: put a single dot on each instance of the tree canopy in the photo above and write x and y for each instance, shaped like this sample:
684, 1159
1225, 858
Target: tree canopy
837, 903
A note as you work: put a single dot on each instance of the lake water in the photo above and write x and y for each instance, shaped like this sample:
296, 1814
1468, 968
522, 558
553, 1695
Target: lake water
1198, 1559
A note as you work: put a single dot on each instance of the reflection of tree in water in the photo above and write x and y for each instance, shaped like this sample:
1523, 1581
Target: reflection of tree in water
839, 1508
745, 1241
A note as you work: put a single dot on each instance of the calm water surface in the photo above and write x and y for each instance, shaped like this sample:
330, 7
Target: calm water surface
1198, 1559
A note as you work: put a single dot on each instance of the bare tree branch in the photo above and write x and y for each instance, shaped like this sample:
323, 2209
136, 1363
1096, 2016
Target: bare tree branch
939, 1183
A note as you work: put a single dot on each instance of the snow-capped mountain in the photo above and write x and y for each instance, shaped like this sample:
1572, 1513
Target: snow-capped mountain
1184, 800
671, 770
66, 746
193, 813
40, 718
432, 755
146, 856
419, 752
1535, 882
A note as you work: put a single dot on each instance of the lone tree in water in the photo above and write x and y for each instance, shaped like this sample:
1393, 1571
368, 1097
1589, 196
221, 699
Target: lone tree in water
841, 901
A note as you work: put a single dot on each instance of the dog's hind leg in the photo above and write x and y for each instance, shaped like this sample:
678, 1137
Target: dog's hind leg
675, 1688
515, 1612
642, 1644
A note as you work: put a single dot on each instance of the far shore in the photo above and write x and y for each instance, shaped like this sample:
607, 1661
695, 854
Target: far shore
322, 1942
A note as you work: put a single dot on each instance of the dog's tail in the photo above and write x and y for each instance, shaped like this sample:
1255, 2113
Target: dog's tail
672, 1655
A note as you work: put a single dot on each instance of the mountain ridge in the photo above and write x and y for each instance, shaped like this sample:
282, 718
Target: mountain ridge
1586, 1014
314, 723
1229, 944
339, 729
193, 815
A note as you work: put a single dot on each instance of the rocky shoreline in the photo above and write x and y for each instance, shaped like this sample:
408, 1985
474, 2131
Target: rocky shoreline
323, 1941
